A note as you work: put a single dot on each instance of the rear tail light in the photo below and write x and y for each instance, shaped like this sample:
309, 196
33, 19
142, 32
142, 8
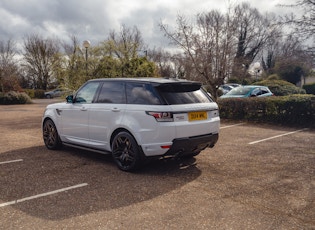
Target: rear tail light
162, 116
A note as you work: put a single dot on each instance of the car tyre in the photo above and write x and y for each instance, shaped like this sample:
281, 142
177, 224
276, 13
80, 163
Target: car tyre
126, 152
51, 136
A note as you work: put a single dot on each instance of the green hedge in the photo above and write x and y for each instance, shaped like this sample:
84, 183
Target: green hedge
13, 97
290, 110
35, 93
281, 87
309, 88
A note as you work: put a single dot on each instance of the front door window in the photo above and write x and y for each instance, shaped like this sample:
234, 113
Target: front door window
87, 93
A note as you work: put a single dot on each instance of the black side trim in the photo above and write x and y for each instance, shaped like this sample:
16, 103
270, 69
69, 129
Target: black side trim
86, 148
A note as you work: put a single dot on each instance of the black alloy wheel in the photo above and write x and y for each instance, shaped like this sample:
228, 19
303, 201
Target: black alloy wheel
50, 135
126, 152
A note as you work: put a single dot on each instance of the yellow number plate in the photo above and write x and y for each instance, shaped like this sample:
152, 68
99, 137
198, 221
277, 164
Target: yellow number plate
197, 116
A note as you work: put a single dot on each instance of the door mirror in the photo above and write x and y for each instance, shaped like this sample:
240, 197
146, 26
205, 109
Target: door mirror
69, 99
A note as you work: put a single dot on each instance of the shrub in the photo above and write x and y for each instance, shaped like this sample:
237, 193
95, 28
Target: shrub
273, 77
292, 109
309, 88
39, 93
35, 93
281, 87
30, 92
13, 97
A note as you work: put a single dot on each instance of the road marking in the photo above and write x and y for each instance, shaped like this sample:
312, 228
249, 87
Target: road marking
229, 126
42, 195
281, 135
8, 162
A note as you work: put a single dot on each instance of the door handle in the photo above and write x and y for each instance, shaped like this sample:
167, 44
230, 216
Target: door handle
83, 109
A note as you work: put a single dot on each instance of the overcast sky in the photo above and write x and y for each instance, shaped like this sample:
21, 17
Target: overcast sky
94, 19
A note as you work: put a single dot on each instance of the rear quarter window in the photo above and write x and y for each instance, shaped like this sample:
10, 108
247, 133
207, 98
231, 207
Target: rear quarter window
142, 94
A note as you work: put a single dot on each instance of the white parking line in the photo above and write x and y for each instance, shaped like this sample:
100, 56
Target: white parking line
281, 135
42, 195
8, 162
229, 126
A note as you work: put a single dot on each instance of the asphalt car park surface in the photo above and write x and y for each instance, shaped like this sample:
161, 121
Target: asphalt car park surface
256, 177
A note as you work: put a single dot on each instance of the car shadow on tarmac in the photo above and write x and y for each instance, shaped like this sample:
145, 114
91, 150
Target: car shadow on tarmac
42, 171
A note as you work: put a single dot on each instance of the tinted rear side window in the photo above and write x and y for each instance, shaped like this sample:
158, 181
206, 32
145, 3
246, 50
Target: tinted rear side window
112, 92
183, 94
140, 93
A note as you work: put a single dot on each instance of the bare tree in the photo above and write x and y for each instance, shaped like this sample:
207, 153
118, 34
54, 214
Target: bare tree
220, 46
125, 46
270, 54
253, 33
304, 25
71, 72
127, 43
40, 56
8, 66
169, 65
292, 56
128, 48
162, 60
207, 46
180, 66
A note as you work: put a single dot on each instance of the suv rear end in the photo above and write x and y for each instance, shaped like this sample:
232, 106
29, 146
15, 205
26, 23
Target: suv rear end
186, 122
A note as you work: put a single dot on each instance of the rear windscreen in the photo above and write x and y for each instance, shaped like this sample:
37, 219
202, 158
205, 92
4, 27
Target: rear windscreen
175, 94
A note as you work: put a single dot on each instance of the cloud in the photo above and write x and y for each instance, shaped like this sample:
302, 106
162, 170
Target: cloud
94, 19
11, 22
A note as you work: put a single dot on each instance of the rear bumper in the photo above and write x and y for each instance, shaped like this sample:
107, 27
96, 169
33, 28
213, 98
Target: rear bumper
190, 145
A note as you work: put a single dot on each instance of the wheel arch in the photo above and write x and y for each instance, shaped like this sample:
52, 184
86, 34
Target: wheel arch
118, 130
45, 119
141, 158
50, 118
51, 138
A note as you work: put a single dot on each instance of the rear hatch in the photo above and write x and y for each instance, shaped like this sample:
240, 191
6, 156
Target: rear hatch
193, 110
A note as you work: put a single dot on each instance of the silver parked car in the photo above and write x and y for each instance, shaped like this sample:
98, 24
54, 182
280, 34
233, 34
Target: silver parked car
57, 93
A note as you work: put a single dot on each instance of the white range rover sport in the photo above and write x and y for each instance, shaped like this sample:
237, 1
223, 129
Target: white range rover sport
134, 118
